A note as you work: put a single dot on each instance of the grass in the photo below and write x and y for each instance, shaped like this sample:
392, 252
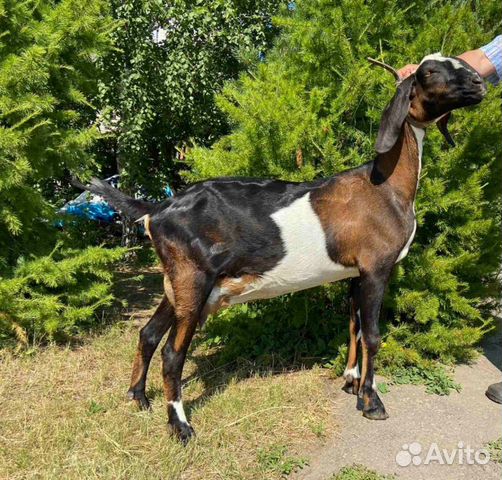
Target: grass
65, 415
276, 459
360, 473
495, 449
434, 376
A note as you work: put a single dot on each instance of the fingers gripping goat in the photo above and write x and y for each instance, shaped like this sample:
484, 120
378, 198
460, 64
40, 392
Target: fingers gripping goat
233, 240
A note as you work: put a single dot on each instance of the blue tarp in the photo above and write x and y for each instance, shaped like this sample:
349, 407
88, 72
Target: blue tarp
91, 206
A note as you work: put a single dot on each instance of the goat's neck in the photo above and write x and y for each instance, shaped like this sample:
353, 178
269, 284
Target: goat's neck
400, 167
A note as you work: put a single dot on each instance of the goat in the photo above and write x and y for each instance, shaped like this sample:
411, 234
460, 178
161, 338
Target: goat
232, 240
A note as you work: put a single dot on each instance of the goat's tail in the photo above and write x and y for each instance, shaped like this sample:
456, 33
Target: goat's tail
127, 205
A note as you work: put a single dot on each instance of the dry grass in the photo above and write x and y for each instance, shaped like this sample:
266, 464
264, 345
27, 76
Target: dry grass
64, 415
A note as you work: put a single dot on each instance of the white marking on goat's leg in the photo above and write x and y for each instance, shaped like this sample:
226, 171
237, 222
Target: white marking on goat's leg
180, 412
353, 372
419, 136
374, 384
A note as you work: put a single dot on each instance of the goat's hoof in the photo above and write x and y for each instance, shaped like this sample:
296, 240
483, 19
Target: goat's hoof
141, 400
182, 430
375, 414
375, 409
351, 385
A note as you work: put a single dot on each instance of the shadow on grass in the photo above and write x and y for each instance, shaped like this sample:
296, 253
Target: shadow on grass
140, 287
215, 379
215, 376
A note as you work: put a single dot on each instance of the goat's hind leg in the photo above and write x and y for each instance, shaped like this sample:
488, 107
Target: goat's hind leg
149, 338
191, 292
351, 373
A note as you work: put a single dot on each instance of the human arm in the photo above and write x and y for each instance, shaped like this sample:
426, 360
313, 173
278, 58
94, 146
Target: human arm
478, 60
407, 70
492, 60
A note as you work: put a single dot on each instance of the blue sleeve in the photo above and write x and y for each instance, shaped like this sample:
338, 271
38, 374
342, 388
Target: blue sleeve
494, 53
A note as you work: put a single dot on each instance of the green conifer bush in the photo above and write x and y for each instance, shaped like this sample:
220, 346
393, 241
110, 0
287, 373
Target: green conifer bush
48, 69
53, 297
49, 52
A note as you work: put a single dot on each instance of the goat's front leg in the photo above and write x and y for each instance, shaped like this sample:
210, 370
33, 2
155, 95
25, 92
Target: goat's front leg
372, 290
149, 338
351, 373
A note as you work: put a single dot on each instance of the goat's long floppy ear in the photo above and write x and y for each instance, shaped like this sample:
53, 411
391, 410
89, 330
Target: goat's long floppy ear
442, 124
394, 115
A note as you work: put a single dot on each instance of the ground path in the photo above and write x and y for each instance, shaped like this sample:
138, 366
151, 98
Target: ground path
416, 416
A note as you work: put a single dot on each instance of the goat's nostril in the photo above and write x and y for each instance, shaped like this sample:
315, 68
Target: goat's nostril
477, 81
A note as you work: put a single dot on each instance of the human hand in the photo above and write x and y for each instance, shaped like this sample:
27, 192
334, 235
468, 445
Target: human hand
407, 70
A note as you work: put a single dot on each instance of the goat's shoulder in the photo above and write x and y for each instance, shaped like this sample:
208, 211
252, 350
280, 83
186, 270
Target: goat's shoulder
344, 187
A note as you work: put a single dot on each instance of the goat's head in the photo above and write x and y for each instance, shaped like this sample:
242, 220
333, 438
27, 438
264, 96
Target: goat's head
440, 85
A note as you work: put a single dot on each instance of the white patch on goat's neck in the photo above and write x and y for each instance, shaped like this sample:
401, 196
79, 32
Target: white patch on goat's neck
406, 248
419, 136
180, 412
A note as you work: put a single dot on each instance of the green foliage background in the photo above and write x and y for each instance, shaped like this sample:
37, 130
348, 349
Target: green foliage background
48, 83
313, 109
162, 94
68, 67
55, 297
47, 66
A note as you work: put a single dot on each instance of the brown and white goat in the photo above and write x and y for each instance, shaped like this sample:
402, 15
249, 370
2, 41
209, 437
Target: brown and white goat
232, 240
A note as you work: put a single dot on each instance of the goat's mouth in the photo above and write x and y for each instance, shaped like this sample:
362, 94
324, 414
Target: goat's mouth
476, 94
471, 95
478, 89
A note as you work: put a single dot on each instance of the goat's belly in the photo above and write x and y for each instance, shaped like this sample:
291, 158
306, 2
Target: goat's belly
305, 264
271, 285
